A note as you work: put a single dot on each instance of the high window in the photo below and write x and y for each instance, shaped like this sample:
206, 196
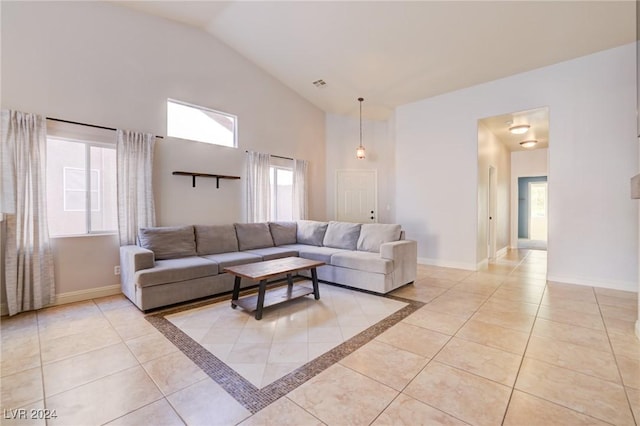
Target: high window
81, 187
281, 181
186, 121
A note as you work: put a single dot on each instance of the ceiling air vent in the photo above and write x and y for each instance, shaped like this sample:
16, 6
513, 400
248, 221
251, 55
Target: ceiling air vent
320, 83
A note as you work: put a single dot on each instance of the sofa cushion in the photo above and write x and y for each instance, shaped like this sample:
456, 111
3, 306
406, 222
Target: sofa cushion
253, 236
233, 258
213, 239
283, 232
374, 234
270, 253
322, 254
342, 235
174, 270
363, 261
311, 232
168, 242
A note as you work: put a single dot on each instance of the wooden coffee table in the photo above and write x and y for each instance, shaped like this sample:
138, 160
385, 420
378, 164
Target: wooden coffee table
261, 271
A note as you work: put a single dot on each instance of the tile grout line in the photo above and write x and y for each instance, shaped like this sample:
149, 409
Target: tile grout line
524, 353
615, 358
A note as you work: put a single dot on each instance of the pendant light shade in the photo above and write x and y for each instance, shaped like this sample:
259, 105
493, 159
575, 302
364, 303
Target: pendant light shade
360, 154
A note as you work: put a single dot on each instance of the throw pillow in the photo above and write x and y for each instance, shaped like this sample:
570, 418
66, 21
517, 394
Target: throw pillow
311, 232
342, 235
374, 234
168, 242
283, 232
253, 236
214, 239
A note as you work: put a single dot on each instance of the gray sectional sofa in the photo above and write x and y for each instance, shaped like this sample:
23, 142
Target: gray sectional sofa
176, 264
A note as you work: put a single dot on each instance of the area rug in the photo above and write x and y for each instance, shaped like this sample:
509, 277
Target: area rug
257, 362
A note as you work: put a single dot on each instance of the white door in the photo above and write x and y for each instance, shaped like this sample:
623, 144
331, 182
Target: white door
492, 207
356, 196
538, 211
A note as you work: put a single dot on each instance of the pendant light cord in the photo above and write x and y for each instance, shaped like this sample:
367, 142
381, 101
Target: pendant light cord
360, 100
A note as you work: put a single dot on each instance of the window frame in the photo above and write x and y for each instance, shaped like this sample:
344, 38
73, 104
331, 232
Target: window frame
233, 117
274, 190
88, 144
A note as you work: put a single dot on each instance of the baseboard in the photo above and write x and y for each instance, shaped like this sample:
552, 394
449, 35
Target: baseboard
88, 294
502, 252
611, 284
482, 264
76, 296
446, 263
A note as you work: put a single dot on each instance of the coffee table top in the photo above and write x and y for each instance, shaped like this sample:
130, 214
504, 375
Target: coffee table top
269, 268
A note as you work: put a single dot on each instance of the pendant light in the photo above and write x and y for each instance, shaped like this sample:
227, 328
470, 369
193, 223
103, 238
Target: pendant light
360, 155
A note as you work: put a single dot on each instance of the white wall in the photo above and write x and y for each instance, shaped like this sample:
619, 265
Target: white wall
492, 153
342, 139
99, 63
593, 224
524, 164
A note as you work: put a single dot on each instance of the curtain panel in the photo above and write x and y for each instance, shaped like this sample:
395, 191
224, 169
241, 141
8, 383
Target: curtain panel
136, 207
300, 203
28, 261
258, 187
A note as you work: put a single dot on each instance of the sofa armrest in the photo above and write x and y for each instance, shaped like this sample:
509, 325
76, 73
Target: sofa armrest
396, 249
132, 259
135, 258
404, 254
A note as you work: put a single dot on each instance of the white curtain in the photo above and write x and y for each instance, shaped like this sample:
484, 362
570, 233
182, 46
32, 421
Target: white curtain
136, 207
300, 189
28, 259
258, 187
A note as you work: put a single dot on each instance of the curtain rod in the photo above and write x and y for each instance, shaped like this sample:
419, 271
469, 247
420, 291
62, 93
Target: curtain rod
88, 125
279, 156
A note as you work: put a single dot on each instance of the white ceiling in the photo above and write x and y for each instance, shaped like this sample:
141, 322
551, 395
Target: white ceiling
393, 53
537, 119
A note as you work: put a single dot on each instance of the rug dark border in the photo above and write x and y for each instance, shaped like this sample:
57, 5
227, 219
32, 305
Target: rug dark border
248, 395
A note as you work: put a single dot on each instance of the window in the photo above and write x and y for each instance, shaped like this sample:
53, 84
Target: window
281, 181
201, 124
75, 184
81, 187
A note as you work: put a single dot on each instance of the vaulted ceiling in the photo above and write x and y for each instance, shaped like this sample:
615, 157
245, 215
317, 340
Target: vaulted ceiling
393, 53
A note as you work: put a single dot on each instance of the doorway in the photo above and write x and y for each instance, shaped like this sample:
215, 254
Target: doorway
533, 212
491, 224
511, 146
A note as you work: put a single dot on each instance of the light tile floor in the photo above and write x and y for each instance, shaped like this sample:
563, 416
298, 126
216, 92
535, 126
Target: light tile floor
499, 346
288, 335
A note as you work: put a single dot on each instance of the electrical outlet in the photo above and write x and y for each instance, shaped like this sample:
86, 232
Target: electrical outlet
116, 270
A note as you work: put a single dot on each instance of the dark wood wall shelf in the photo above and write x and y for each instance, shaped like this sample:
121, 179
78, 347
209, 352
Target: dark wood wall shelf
207, 175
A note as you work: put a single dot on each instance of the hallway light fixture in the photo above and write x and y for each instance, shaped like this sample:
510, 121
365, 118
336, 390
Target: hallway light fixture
519, 129
360, 155
528, 144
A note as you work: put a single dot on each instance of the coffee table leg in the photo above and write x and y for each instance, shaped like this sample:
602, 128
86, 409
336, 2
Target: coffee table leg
314, 280
261, 292
236, 292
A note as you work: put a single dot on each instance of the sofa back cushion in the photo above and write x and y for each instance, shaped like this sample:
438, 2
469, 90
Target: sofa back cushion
311, 232
253, 236
283, 232
374, 234
343, 235
168, 242
215, 239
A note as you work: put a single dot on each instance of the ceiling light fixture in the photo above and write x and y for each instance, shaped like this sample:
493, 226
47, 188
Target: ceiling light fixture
360, 151
519, 129
528, 144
